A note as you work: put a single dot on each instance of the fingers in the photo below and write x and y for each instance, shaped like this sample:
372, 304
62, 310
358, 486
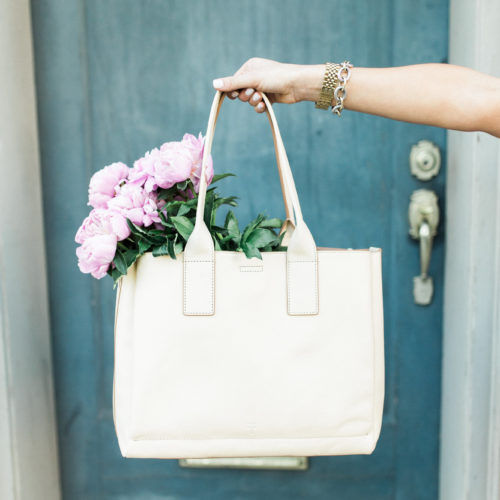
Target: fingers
255, 99
261, 107
234, 82
246, 95
257, 102
242, 86
251, 96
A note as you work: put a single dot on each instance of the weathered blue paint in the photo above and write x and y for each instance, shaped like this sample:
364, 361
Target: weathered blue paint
117, 77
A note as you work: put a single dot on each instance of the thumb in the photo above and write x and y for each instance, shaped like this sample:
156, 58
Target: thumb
235, 82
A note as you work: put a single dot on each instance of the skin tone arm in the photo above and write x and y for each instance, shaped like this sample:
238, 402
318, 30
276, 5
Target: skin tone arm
442, 95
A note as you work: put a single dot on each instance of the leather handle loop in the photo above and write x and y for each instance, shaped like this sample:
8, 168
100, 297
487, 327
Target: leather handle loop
281, 157
199, 252
292, 205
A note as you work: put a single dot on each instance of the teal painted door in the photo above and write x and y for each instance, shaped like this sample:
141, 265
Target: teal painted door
118, 77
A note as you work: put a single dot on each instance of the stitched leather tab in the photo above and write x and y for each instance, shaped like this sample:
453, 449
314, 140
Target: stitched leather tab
199, 273
302, 285
302, 273
199, 287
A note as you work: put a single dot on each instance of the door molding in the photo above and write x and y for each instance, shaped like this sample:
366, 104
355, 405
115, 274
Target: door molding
470, 427
28, 451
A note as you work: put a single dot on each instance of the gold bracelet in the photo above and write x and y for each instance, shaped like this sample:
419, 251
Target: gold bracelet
330, 82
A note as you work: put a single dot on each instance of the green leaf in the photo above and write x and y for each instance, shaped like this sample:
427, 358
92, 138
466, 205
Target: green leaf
144, 233
224, 239
182, 186
172, 206
161, 250
275, 222
144, 246
156, 233
183, 225
163, 219
230, 200
178, 247
170, 247
130, 256
278, 242
115, 274
133, 228
260, 238
165, 194
218, 229
120, 262
251, 226
218, 177
184, 209
209, 206
231, 224
251, 251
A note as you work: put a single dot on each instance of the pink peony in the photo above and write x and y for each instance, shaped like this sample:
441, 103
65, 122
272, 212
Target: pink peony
104, 182
96, 254
134, 203
162, 167
101, 222
196, 147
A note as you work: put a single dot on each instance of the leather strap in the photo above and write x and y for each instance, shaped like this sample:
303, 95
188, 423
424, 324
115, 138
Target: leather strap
199, 258
280, 158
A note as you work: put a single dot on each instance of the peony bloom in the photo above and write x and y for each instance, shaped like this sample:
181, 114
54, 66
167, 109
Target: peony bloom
134, 203
98, 236
100, 222
195, 147
96, 254
162, 168
103, 184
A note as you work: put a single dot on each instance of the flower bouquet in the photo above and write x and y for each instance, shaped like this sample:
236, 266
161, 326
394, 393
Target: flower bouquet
152, 208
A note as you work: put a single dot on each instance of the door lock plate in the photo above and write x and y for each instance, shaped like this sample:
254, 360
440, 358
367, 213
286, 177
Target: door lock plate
425, 160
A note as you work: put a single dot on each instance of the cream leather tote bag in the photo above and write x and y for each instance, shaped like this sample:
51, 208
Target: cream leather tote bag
272, 357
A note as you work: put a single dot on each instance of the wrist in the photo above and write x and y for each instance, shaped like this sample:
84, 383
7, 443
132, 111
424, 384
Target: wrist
309, 82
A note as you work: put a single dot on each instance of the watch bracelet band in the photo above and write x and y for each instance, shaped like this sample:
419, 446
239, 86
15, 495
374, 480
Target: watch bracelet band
330, 82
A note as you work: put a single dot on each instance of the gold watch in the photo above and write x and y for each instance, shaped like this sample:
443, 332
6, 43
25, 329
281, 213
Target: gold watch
330, 82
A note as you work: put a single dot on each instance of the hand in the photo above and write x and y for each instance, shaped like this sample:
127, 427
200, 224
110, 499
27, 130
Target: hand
281, 82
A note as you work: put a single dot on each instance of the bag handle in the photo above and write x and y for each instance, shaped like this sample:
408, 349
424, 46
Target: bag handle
286, 179
199, 252
281, 159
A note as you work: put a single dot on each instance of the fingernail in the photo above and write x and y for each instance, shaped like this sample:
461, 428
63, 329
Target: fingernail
260, 105
255, 97
234, 94
218, 84
249, 91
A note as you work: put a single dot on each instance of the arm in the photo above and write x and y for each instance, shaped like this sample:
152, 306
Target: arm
441, 95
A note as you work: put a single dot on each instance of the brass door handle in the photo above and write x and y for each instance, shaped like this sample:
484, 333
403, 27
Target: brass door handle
423, 215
